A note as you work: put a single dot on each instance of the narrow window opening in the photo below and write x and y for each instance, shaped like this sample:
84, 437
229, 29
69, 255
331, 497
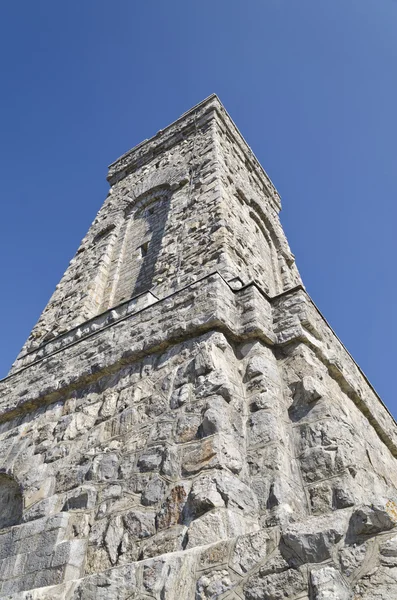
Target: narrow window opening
143, 249
11, 502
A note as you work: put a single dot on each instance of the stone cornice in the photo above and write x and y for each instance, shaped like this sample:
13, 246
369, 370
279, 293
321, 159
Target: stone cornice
123, 336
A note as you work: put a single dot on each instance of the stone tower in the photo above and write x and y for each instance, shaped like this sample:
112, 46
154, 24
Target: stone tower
182, 423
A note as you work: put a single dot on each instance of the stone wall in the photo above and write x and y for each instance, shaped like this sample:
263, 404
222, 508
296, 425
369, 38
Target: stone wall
188, 202
255, 245
183, 423
39, 554
222, 463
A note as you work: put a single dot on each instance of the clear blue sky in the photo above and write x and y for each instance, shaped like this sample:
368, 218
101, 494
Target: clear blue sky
312, 86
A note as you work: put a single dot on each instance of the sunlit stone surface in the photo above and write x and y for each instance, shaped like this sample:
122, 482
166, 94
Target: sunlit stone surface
182, 423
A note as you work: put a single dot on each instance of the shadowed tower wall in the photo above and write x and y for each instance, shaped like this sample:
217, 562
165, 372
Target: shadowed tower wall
182, 423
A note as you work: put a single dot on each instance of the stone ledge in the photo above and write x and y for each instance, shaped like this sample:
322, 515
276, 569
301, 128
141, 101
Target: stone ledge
293, 557
86, 329
208, 304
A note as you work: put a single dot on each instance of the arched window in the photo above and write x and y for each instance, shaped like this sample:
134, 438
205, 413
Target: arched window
135, 257
11, 502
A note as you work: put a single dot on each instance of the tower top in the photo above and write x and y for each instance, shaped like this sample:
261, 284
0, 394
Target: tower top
191, 200
171, 135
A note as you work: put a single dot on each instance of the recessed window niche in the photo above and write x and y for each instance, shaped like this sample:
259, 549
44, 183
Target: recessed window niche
135, 256
11, 502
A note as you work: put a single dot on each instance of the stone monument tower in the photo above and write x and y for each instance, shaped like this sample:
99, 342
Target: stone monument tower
182, 423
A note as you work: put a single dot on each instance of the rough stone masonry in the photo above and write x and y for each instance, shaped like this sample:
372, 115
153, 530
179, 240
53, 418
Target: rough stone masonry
182, 423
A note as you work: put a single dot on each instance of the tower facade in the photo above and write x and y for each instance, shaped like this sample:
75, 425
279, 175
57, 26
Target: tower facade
182, 423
